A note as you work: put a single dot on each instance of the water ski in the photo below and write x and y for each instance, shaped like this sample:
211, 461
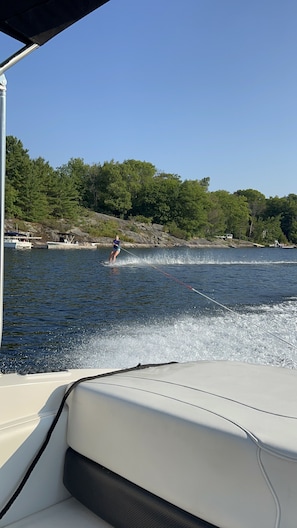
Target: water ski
107, 264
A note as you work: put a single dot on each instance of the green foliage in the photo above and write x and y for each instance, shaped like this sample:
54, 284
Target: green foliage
235, 211
91, 188
216, 217
193, 204
159, 197
269, 230
177, 232
289, 218
18, 174
103, 228
77, 173
136, 190
137, 175
257, 205
35, 191
142, 219
11, 207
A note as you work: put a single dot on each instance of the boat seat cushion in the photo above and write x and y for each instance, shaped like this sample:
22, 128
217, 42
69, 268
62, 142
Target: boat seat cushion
216, 439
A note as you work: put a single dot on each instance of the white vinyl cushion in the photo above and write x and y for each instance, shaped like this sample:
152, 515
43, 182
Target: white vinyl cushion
217, 439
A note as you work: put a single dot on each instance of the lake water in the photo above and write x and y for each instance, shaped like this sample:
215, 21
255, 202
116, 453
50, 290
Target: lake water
63, 309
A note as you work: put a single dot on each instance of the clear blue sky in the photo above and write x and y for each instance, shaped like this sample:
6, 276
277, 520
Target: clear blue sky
199, 88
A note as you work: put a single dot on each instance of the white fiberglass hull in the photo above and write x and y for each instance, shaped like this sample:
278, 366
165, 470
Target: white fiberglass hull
17, 244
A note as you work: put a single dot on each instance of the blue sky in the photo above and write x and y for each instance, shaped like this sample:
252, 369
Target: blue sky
199, 88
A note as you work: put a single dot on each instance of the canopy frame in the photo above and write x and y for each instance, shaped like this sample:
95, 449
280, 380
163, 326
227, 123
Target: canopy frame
33, 23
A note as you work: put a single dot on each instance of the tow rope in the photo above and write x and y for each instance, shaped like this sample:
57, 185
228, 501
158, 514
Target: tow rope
172, 277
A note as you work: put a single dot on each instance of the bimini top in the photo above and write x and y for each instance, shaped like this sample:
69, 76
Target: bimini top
37, 21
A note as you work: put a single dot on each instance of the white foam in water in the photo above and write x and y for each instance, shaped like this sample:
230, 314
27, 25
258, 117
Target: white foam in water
266, 335
192, 257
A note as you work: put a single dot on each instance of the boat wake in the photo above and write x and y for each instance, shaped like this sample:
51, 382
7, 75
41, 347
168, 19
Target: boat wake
226, 337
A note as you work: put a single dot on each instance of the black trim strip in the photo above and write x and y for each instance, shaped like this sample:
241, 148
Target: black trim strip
120, 502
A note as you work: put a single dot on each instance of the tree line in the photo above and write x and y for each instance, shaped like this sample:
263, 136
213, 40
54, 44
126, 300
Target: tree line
36, 192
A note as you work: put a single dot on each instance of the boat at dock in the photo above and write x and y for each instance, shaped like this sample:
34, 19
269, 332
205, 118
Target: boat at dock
17, 240
67, 241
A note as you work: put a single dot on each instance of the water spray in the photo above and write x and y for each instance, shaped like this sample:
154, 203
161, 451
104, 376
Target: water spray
198, 292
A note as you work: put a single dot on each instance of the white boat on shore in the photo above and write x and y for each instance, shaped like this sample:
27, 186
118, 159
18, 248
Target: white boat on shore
17, 240
67, 241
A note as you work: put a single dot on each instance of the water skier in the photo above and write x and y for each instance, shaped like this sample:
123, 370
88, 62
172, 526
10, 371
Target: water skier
116, 249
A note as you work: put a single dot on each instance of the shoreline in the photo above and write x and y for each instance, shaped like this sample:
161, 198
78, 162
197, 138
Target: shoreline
132, 234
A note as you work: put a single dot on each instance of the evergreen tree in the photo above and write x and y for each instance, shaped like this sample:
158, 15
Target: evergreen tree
18, 172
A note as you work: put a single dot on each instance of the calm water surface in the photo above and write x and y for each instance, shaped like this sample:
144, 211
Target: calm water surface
63, 309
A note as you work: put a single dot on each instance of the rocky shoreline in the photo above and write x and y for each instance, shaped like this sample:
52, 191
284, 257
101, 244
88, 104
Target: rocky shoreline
132, 234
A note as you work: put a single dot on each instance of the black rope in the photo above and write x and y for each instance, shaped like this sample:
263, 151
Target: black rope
55, 421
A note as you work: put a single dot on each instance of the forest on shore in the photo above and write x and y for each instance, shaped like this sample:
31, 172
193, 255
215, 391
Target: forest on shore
133, 189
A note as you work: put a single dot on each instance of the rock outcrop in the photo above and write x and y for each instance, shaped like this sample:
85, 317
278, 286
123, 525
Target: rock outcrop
131, 232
